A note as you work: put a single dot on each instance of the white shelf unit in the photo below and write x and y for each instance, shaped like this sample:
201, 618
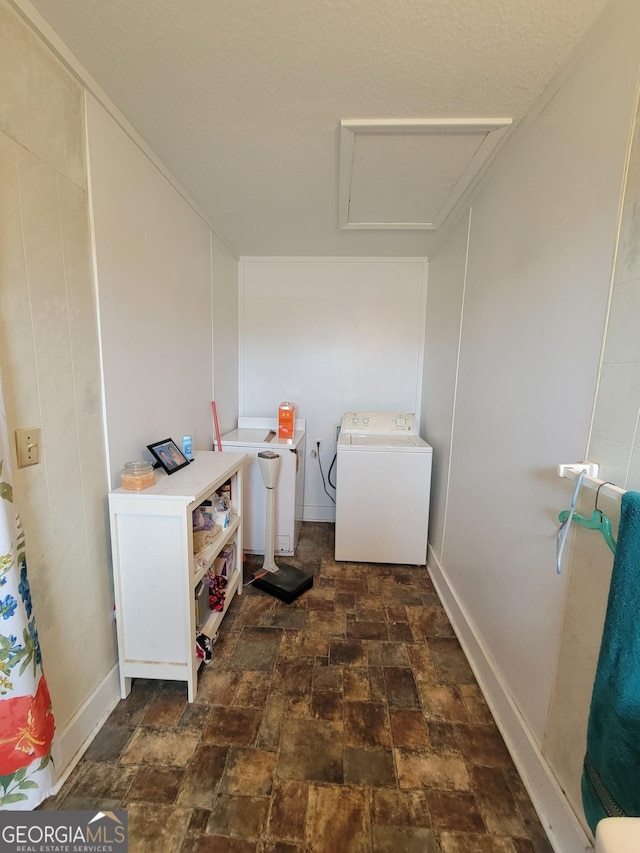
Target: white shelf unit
155, 571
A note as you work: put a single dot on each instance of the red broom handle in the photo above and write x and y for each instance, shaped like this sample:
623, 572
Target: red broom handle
215, 423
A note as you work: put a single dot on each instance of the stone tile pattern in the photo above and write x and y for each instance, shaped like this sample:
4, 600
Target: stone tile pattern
346, 722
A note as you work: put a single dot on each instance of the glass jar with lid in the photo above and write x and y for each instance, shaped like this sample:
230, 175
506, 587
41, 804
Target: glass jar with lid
135, 476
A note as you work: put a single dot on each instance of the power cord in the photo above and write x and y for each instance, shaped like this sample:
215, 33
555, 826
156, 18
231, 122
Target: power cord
333, 485
324, 485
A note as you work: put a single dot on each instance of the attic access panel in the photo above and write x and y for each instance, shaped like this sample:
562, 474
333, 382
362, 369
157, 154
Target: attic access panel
409, 174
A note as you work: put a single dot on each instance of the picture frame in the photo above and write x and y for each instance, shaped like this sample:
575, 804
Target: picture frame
168, 454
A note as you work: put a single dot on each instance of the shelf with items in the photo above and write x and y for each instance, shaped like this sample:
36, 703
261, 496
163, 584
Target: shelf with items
156, 572
204, 559
218, 570
221, 593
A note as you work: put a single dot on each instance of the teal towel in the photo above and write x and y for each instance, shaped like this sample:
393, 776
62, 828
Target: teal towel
611, 774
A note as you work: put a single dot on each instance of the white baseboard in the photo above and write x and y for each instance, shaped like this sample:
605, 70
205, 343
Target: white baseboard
70, 743
563, 829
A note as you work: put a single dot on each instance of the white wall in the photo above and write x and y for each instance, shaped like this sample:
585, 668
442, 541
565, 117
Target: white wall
615, 435
154, 270
447, 271
540, 253
332, 335
156, 251
51, 378
615, 446
225, 334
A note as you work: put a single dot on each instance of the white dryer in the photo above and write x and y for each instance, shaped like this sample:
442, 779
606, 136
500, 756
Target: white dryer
383, 488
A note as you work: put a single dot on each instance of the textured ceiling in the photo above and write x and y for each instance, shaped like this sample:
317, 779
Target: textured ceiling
242, 99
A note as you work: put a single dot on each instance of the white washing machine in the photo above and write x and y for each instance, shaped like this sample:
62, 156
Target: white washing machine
252, 436
383, 487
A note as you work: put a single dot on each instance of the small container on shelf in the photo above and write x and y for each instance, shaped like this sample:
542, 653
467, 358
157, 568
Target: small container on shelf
135, 476
223, 512
286, 420
223, 564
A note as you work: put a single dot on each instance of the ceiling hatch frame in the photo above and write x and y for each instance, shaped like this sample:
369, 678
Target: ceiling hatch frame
493, 130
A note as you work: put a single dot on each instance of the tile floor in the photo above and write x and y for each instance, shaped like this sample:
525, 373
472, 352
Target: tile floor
347, 722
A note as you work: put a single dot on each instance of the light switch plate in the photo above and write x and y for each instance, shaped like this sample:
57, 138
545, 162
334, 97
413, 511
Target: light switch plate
28, 446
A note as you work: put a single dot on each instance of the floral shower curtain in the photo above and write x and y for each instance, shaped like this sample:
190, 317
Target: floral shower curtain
26, 720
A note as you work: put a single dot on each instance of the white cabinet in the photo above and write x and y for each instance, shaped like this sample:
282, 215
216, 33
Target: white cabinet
156, 573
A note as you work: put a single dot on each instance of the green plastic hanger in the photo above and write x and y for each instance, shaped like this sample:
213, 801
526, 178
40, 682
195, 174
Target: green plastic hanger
598, 521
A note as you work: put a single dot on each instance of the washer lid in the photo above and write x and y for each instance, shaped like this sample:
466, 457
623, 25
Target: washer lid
355, 441
260, 438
